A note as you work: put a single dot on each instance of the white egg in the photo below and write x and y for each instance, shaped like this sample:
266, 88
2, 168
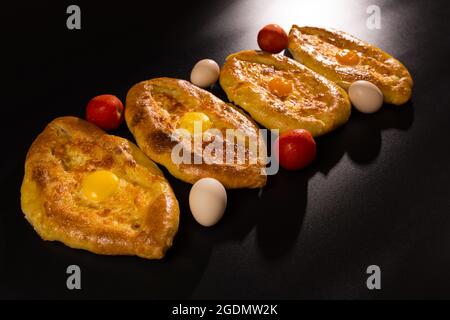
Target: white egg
207, 200
365, 96
205, 73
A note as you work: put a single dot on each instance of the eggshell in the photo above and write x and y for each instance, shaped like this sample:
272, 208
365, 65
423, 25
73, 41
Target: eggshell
205, 73
207, 201
365, 96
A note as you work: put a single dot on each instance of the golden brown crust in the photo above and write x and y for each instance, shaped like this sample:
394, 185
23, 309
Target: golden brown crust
141, 218
315, 103
153, 110
316, 48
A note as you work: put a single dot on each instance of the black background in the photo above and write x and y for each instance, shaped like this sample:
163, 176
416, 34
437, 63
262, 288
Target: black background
378, 192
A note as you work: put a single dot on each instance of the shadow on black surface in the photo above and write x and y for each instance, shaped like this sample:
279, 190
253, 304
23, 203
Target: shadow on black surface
361, 136
279, 213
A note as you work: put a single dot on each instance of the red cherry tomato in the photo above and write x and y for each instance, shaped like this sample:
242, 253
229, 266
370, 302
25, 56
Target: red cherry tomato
105, 111
272, 38
296, 149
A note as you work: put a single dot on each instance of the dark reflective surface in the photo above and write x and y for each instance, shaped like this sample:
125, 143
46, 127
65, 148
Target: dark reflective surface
377, 194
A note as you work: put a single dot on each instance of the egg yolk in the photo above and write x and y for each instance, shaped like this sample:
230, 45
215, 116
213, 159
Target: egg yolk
347, 57
280, 87
191, 120
99, 185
